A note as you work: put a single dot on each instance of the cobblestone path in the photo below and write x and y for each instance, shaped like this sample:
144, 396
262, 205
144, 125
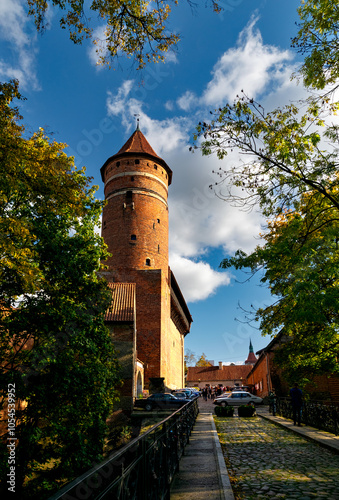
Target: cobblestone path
266, 461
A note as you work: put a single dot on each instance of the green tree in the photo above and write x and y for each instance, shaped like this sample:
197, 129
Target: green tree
55, 349
318, 40
202, 361
134, 28
301, 269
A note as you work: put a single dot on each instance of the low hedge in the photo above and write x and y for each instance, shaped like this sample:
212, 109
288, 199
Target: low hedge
246, 411
224, 411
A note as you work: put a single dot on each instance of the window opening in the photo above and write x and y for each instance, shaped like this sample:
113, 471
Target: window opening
137, 162
128, 195
133, 237
118, 164
156, 167
148, 262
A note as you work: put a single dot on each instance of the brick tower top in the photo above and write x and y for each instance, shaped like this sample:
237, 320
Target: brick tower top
135, 218
137, 144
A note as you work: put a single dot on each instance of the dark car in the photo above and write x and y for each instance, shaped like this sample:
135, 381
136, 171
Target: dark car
160, 401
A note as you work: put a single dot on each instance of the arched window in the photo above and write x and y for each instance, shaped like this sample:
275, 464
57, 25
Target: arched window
148, 262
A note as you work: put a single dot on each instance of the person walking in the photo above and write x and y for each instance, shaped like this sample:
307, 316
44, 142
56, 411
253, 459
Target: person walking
297, 403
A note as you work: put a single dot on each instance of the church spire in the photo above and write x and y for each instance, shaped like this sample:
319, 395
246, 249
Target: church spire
251, 358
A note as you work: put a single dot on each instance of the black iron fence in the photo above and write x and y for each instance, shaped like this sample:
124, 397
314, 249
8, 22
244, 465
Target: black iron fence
141, 470
318, 414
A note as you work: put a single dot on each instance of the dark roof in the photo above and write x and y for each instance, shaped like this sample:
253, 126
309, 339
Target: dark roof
138, 145
178, 302
122, 307
209, 373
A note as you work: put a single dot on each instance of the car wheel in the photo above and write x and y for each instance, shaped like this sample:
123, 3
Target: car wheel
223, 404
148, 407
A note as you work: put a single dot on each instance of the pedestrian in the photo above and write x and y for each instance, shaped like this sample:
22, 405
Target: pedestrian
297, 403
204, 393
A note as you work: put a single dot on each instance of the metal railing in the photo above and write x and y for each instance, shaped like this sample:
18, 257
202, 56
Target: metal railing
319, 414
141, 470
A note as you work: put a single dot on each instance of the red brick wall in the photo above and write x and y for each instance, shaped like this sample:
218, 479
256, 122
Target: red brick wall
259, 376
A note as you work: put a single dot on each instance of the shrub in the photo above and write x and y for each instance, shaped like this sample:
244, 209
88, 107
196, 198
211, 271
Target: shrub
224, 411
246, 411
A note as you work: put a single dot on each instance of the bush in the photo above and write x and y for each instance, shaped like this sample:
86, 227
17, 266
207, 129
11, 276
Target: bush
224, 411
246, 411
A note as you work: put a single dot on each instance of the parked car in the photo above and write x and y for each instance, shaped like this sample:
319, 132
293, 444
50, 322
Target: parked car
160, 401
189, 393
238, 398
181, 395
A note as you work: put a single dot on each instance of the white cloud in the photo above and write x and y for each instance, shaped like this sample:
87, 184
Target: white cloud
250, 66
199, 220
197, 279
20, 33
187, 100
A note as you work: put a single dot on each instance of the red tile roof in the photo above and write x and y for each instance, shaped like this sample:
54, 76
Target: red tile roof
137, 143
122, 307
209, 373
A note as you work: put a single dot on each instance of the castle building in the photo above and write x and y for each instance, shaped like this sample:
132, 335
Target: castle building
135, 229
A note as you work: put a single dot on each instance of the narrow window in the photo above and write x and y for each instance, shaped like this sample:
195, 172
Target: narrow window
158, 220
133, 237
156, 167
128, 195
148, 262
158, 248
118, 164
137, 162
132, 178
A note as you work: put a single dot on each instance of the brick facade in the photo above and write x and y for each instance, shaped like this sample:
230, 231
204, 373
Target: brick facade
135, 229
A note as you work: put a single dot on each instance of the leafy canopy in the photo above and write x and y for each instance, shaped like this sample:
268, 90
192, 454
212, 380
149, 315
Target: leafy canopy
135, 28
54, 345
318, 40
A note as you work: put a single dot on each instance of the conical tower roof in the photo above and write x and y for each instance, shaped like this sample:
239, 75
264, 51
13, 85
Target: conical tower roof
251, 358
138, 145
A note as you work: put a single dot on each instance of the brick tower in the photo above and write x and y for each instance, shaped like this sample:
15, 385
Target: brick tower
135, 229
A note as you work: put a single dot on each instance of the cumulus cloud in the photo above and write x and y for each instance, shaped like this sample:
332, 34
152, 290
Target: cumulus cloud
187, 100
197, 279
199, 220
250, 66
19, 32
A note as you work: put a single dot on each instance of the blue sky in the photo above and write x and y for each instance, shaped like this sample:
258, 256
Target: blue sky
91, 108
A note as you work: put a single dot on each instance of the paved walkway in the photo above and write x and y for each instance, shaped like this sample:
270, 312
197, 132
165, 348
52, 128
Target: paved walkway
265, 461
202, 473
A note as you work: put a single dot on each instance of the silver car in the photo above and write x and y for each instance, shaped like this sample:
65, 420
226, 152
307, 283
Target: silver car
238, 398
